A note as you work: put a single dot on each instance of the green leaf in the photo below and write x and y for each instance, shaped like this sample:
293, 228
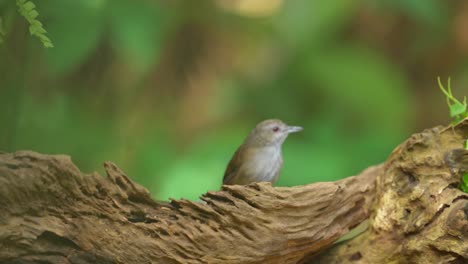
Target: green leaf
26, 9
465, 178
28, 6
464, 188
33, 14
464, 183
457, 109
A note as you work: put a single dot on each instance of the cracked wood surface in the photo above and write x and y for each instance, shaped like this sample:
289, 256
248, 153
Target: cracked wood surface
53, 213
420, 215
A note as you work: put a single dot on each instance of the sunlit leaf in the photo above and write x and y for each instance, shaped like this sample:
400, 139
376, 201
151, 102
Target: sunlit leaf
457, 109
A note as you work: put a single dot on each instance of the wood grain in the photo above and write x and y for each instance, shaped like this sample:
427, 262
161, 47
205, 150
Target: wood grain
53, 212
420, 215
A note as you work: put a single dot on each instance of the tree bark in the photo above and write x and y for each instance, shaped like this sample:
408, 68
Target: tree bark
420, 215
53, 213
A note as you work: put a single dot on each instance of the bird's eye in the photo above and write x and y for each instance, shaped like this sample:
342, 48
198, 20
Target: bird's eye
276, 129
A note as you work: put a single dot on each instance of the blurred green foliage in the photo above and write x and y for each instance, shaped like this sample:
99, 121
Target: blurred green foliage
169, 89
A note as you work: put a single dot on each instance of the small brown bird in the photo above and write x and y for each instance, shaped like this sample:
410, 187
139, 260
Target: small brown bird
259, 158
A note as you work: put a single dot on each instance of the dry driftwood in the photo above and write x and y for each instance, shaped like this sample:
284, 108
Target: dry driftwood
420, 215
53, 212
50, 212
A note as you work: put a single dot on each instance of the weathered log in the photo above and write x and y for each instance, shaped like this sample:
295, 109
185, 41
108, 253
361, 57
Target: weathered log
53, 213
420, 215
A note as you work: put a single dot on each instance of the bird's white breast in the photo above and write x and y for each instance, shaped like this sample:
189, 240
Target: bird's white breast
265, 164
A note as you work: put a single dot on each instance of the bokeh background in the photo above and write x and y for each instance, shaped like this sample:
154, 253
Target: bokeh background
169, 89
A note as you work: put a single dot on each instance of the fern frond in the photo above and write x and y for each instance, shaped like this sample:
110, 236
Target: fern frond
27, 10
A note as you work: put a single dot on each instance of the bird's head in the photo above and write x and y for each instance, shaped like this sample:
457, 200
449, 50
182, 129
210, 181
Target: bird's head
271, 132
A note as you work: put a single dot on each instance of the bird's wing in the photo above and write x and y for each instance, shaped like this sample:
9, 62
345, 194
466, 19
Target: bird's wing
233, 167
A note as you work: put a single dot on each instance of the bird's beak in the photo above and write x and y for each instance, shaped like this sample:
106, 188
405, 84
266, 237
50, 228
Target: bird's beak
293, 129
